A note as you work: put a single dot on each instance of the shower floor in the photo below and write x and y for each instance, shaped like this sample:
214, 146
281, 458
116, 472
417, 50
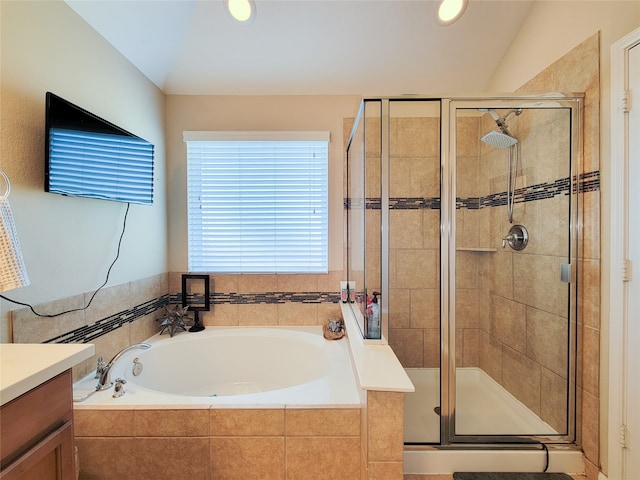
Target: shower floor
483, 407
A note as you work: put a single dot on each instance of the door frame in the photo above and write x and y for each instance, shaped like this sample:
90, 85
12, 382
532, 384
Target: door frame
617, 267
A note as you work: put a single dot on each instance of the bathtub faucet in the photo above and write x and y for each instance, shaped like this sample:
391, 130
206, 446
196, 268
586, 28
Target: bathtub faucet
105, 375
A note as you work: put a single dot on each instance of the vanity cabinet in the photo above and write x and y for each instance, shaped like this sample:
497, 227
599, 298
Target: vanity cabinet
36, 433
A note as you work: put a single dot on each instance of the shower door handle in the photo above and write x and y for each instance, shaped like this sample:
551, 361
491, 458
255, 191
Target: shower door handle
567, 273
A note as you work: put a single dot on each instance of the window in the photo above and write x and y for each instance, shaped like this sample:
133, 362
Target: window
257, 202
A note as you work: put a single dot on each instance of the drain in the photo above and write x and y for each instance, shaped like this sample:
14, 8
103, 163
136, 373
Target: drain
437, 410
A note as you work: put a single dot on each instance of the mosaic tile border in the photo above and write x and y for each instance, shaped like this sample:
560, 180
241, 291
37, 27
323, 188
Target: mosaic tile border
587, 182
106, 325
266, 298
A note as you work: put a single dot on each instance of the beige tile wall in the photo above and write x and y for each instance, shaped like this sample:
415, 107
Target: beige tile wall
28, 328
268, 314
382, 436
236, 444
414, 244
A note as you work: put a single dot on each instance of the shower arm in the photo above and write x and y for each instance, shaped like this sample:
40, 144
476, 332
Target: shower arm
501, 121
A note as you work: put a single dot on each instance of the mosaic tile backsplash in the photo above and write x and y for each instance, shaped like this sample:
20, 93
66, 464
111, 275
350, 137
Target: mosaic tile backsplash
88, 333
587, 182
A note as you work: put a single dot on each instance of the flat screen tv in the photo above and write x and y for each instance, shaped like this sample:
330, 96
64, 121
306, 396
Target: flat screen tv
86, 156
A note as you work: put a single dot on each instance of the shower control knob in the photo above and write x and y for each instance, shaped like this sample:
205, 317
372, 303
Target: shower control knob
507, 238
517, 238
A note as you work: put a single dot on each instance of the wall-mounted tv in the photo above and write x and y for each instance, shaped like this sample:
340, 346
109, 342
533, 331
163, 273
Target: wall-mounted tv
86, 156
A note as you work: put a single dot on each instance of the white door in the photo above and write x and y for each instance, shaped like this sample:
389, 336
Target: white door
624, 305
631, 454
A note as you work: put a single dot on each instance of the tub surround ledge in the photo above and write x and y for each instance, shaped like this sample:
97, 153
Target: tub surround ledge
375, 364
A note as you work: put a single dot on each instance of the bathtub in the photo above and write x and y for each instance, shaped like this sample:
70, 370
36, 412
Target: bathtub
206, 402
271, 366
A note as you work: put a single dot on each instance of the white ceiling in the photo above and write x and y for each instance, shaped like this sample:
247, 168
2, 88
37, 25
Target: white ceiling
308, 47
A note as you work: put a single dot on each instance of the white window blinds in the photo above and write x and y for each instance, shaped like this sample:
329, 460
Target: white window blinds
257, 201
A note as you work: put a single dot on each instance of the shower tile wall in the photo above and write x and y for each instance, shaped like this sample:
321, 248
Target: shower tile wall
579, 71
505, 328
514, 336
414, 240
472, 233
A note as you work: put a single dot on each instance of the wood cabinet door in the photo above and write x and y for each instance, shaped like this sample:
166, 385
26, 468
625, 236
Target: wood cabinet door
49, 459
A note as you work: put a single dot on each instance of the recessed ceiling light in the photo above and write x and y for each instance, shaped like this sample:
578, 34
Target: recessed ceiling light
450, 11
243, 11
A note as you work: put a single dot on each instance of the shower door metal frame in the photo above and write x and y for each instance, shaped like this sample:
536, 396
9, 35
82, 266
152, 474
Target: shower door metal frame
448, 436
448, 107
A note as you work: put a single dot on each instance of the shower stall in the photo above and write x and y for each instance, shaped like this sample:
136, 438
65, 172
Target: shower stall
462, 216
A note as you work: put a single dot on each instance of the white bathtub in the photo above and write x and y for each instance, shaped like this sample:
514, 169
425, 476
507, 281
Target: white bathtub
275, 366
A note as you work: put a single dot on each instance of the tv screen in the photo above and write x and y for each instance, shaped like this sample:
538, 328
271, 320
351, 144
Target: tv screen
86, 156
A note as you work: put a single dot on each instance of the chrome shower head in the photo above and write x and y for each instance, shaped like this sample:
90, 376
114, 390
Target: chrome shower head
499, 139
502, 121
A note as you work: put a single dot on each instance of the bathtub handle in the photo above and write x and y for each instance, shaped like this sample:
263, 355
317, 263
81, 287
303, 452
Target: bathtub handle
102, 365
118, 390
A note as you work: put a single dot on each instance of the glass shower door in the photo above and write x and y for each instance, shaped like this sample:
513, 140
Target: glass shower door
513, 330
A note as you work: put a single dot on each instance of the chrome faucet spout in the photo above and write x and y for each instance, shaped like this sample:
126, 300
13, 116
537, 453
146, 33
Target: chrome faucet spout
104, 381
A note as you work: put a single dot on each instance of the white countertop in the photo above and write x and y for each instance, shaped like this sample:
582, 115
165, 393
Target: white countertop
376, 365
24, 366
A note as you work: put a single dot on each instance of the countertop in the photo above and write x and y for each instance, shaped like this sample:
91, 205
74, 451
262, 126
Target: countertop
24, 366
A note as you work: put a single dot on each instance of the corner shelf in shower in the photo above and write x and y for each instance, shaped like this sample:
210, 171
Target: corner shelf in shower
477, 249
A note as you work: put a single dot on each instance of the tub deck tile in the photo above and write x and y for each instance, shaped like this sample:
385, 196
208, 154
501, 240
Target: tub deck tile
241, 458
171, 423
323, 422
246, 422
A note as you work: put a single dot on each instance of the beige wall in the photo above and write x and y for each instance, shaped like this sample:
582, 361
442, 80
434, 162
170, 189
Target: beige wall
237, 113
229, 113
69, 243
551, 30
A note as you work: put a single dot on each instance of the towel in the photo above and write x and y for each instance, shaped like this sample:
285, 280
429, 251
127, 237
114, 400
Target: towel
13, 273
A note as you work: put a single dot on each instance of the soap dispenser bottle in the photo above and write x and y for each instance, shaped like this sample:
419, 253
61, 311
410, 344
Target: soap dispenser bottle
373, 316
